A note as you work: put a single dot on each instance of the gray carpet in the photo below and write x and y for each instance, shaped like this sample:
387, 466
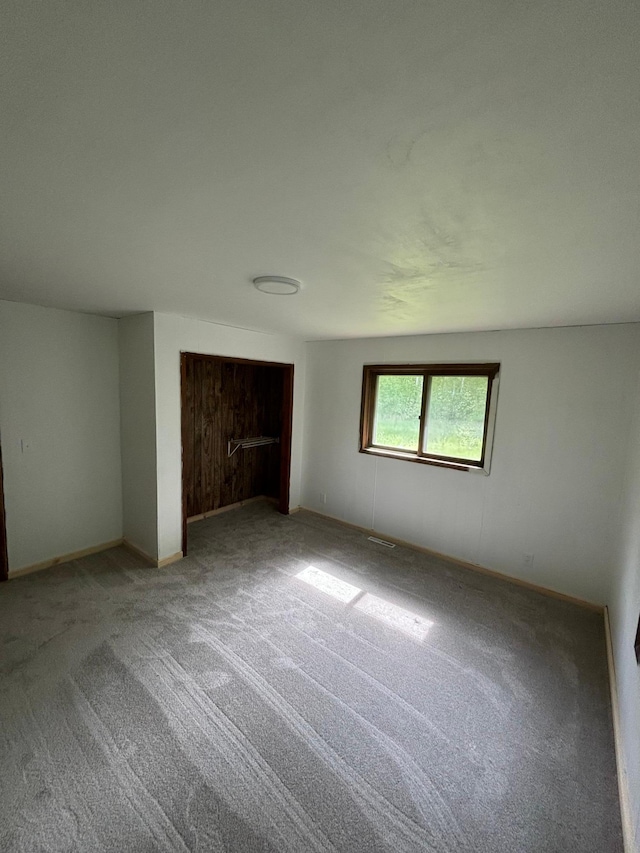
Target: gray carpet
381, 701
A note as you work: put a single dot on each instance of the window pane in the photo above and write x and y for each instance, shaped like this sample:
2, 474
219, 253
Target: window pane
455, 417
397, 415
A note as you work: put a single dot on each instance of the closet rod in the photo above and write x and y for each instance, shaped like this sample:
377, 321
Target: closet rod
254, 441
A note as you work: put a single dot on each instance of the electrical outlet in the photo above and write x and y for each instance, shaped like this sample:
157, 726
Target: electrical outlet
527, 561
323, 497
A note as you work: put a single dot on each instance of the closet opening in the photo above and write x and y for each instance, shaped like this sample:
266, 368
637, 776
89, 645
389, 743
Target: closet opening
4, 558
236, 434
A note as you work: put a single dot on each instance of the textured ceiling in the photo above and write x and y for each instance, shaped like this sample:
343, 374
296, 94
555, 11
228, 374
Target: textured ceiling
420, 166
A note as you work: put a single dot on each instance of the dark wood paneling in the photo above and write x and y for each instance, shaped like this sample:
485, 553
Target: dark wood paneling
224, 399
197, 434
187, 449
208, 447
4, 558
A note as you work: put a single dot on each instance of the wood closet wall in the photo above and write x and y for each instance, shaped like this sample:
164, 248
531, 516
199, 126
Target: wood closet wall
224, 399
4, 559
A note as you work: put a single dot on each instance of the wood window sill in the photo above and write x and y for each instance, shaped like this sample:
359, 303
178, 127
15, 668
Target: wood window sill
422, 460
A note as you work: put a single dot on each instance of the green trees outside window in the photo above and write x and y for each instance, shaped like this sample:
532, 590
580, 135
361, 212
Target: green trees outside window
398, 405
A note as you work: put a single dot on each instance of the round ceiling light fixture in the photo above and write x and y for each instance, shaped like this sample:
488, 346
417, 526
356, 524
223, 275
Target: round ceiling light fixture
277, 285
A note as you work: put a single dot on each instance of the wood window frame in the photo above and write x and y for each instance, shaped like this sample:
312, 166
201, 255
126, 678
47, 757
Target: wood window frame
370, 374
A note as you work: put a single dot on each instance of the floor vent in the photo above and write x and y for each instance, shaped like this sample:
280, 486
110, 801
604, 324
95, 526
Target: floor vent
381, 542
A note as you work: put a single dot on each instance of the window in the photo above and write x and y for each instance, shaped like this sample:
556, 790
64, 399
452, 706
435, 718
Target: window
439, 414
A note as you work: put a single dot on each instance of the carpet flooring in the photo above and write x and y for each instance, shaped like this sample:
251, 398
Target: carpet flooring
293, 687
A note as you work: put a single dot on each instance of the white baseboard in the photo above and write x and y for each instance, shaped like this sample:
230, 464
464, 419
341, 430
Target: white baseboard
64, 558
152, 561
95, 549
166, 561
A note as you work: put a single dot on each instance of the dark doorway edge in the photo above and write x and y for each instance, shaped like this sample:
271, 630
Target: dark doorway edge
4, 557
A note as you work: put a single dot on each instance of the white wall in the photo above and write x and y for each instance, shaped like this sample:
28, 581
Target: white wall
563, 421
138, 430
624, 608
174, 335
59, 395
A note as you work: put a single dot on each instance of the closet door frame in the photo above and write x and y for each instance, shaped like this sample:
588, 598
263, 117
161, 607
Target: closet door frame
285, 438
4, 557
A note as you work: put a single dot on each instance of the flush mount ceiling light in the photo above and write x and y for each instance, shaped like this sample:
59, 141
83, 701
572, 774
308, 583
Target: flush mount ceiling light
277, 285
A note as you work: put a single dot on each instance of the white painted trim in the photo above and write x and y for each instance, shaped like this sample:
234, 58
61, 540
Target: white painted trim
64, 558
623, 779
491, 425
152, 561
168, 560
